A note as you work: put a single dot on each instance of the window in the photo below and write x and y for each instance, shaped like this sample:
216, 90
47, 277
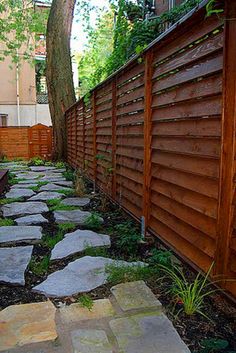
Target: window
3, 120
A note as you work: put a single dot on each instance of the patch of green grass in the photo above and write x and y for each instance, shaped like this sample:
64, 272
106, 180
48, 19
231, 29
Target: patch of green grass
90, 251
50, 241
160, 257
39, 267
6, 222
60, 165
6, 201
36, 161
93, 222
128, 238
66, 227
66, 192
38, 186
85, 302
69, 174
56, 205
4, 159
123, 273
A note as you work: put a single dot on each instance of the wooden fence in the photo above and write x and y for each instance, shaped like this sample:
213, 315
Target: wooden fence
26, 142
166, 126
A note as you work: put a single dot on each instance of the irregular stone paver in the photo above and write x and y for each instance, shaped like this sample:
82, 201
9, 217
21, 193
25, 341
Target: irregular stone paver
23, 186
53, 178
41, 168
76, 201
23, 208
53, 187
29, 176
30, 220
135, 295
147, 333
16, 193
90, 341
19, 234
46, 195
64, 183
13, 263
29, 181
79, 241
75, 312
75, 216
79, 276
27, 323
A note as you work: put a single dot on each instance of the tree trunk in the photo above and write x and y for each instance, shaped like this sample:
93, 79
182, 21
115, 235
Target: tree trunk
60, 85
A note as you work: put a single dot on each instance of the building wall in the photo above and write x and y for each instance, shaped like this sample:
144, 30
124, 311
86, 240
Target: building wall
30, 114
163, 5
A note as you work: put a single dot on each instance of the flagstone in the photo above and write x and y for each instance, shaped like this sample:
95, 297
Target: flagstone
22, 186
90, 341
53, 187
32, 219
76, 216
64, 183
19, 234
17, 193
23, 208
76, 201
46, 195
42, 168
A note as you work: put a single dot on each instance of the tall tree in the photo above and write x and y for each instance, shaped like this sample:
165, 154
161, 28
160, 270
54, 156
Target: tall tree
59, 70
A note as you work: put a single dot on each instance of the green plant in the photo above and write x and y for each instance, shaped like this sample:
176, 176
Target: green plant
7, 201
212, 9
69, 174
212, 345
38, 186
36, 161
6, 222
56, 205
128, 238
50, 241
93, 222
117, 273
66, 192
12, 180
190, 295
60, 165
85, 302
66, 227
90, 251
160, 257
4, 159
39, 267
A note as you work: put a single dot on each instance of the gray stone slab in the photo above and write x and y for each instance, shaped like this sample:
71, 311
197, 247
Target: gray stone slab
29, 176
64, 183
147, 333
46, 195
76, 201
78, 241
23, 208
29, 181
23, 186
53, 187
16, 193
79, 276
75, 216
19, 234
135, 296
13, 263
31, 220
90, 341
41, 168
53, 178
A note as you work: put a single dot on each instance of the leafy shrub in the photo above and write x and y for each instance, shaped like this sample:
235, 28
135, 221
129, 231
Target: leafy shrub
60, 165
128, 238
85, 301
93, 222
6, 222
160, 257
36, 161
69, 174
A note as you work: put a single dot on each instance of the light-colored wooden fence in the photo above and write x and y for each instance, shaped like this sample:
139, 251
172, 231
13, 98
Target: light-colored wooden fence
166, 127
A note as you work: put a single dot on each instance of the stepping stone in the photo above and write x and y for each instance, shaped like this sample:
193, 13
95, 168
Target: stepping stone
64, 183
46, 195
20, 234
75, 312
41, 168
53, 187
59, 170
30, 220
87, 341
78, 241
76, 201
29, 176
13, 263
16, 193
147, 333
26, 182
22, 186
75, 216
79, 276
26, 324
23, 208
135, 296
53, 178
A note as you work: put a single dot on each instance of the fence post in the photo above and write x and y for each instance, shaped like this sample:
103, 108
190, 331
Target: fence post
114, 91
94, 137
76, 139
147, 137
226, 181
83, 135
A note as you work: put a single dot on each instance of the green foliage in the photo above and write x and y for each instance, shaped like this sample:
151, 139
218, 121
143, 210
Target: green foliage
12, 180
38, 186
212, 345
160, 257
128, 238
50, 241
66, 192
6, 222
66, 227
4, 159
85, 302
90, 251
93, 222
190, 295
60, 165
6, 201
123, 273
69, 174
36, 161
39, 267
56, 205
211, 8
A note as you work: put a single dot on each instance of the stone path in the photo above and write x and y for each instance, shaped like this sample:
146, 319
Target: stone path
129, 321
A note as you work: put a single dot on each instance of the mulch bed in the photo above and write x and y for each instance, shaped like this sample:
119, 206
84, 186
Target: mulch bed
193, 329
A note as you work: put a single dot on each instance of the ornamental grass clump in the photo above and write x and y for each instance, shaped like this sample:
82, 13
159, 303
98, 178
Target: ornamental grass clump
190, 295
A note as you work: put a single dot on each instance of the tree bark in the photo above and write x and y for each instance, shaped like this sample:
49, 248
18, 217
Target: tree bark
59, 74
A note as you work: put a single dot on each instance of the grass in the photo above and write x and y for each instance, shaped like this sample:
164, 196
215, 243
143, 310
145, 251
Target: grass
38, 186
5, 222
93, 222
7, 201
69, 174
56, 205
90, 251
63, 228
123, 273
66, 192
66, 227
39, 267
85, 302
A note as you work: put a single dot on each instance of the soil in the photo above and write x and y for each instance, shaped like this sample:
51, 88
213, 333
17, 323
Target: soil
221, 313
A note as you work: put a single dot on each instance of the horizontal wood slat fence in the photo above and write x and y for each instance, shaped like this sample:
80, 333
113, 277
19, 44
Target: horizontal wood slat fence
26, 142
166, 128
